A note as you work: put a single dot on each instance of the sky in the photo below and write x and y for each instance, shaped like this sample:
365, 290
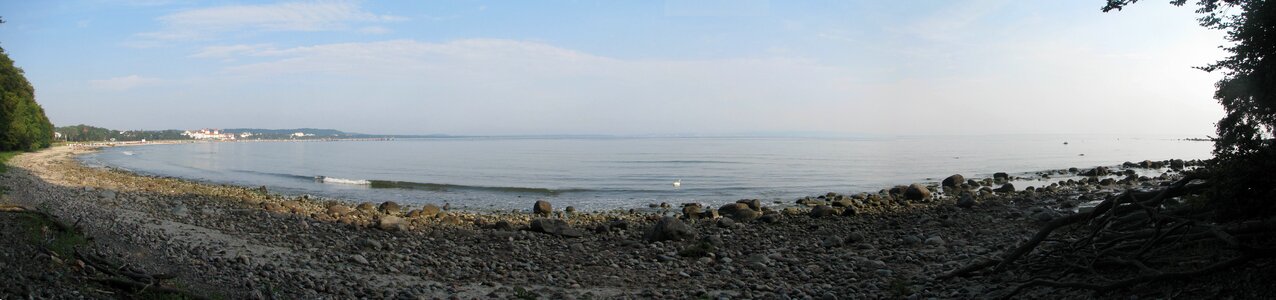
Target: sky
675, 67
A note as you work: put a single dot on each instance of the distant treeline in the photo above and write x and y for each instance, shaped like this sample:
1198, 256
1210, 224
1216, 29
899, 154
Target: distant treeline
23, 125
86, 133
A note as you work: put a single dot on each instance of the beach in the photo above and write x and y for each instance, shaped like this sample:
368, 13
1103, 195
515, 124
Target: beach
247, 242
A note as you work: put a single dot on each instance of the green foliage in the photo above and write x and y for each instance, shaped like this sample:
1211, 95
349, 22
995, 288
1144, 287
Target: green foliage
1245, 167
4, 159
23, 125
86, 133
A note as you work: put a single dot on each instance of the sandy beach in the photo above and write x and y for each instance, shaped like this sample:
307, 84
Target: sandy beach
244, 242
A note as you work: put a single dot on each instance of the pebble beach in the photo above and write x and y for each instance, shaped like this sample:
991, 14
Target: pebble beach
246, 242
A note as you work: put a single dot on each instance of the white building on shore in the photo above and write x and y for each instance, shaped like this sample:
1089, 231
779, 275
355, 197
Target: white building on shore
209, 134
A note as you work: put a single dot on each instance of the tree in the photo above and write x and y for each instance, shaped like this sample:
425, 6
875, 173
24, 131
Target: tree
1214, 219
23, 125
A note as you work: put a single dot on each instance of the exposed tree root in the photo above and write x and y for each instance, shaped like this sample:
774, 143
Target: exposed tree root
1136, 234
117, 276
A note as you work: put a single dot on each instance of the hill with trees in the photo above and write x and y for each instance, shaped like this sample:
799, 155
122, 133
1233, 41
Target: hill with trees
23, 125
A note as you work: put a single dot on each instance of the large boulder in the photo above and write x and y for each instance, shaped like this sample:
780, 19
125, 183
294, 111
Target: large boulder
542, 207
430, 210
555, 227
823, 211
669, 229
916, 192
391, 223
753, 204
738, 211
691, 210
366, 207
389, 207
953, 181
1097, 171
1005, 188
1000, 176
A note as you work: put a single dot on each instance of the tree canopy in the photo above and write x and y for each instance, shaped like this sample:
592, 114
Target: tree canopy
23, 125
1244, 149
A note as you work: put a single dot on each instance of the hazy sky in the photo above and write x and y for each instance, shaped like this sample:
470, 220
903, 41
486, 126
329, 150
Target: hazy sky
619, 67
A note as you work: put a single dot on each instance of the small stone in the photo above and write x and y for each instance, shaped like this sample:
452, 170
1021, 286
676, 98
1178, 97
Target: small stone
359, 259
389, 207
669, 229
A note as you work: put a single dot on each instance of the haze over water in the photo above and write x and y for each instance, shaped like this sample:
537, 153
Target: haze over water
623, 173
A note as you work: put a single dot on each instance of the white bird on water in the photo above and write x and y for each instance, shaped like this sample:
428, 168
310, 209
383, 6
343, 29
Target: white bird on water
677, 183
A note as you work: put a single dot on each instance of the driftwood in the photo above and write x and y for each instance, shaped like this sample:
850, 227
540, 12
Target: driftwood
1136, 234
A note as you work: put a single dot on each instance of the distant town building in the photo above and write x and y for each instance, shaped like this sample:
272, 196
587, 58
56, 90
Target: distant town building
209, 134
302, 134
245, 134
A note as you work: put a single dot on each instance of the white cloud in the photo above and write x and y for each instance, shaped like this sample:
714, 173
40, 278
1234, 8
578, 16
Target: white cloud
229, 50
206, 23
123, 83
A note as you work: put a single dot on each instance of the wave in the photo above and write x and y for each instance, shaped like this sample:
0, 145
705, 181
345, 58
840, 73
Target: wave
441, 187
129, 153
676, 162
335, 180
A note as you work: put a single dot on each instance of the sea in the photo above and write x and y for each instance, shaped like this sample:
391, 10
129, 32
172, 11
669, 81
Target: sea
620, 173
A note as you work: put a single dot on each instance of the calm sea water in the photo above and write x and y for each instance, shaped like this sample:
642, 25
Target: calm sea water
621, 173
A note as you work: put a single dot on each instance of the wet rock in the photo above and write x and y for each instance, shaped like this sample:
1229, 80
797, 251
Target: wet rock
953, 181
916, 192
1177, 164
366, 207
823, 211
669, 229
1097, 171
391, 223
555, 227
770, 218
389, 207
738, 211
709, 213
337, 210
1005, 188
1000, 176
966, 200
430, 210
691, 210
542, 207
570, 209
753, 204
849, 211
832, 242
726, 223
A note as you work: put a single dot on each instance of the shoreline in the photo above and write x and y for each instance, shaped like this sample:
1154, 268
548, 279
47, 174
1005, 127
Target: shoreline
241, 243
635, 201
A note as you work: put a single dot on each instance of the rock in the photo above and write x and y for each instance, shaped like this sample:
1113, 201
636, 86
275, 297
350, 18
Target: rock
1107, 182
391, 223
1097, 171
366, 207
791, 211
180, 210
809, 202
935, 241
823, 211
910, 240
709, 213
555, 227
669, 229
855, 237
359, 259
739, 212
1177, 164
726, 223
542, 207
844, 202
832, 242
618, 224
337, 210
451, 219
916, 192
691, 211
503, 225
966, 200
430, 210
770, 218
849, 212
389, 208
1000, 176
1005, 188
753, 204
953, 181
570, 209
